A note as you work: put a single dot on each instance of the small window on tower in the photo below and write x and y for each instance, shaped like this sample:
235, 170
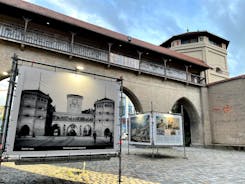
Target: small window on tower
218, 70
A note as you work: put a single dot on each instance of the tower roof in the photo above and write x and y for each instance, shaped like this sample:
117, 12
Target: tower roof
193, 34
38, 93
104, 100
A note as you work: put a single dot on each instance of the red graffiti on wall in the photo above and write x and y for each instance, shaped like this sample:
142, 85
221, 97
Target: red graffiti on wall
216, 109
227, 108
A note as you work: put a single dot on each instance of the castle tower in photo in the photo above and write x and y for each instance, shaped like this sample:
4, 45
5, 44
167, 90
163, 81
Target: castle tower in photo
33, 113
104, 117
74, 103
206, 46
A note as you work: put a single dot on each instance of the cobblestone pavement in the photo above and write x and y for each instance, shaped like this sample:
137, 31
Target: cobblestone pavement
203, 166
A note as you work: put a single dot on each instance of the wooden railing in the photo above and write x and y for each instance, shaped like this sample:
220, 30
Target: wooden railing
50, 41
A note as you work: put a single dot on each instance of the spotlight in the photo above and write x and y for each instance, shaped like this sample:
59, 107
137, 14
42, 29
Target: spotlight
5, 73
80, 68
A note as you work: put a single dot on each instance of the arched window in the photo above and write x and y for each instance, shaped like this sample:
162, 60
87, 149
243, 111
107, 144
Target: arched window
24, 131
218, 70
87, 131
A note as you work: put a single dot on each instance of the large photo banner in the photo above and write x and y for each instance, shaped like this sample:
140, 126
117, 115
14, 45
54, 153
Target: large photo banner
140, 129
63, 113
168, 130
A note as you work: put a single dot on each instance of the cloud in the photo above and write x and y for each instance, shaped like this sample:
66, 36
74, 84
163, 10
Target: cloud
227, 17
155, 21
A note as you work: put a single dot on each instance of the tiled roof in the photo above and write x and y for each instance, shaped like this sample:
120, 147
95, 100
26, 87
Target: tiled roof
72, 21
195, 33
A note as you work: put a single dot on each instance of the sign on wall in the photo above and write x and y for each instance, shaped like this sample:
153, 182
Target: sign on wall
156, 129
61, 113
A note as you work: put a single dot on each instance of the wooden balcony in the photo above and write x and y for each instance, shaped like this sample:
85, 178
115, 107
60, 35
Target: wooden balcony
48, 41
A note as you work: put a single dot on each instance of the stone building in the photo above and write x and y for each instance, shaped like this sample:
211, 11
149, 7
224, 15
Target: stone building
104, 116
70, 124
76, 122
206, 46
154, 77
36, 107
33, 113
227, 111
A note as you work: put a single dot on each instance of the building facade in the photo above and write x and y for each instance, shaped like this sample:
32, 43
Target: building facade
206, 46
33, 113
154, 77
226, 107
36, 107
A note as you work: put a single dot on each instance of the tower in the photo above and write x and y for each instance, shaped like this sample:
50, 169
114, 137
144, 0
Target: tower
206, 46
74, 103
33, 113
104, 116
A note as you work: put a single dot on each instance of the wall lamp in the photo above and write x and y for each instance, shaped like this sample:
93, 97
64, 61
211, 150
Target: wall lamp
80, 68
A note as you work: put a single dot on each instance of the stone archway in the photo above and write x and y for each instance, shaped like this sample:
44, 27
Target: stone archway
191, 120
72, 130
24, 131
107, 132
134, 99
56, 130
87, 130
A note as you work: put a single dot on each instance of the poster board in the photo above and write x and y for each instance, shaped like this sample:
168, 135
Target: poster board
140, 131
168, 130
58, 113
156, 129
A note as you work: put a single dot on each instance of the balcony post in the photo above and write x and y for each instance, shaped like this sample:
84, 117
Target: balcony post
187, 74
109, 55
27, 20
72, 43
205, 77
165, 68
140, 56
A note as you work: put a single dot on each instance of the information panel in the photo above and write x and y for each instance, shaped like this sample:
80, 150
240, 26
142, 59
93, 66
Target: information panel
168, 129
156, 129
57, 113
140, 129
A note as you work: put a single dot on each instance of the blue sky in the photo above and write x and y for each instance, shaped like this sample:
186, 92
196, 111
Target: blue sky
155, 21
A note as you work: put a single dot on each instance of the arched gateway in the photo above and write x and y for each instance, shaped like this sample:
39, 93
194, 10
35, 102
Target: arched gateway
191, 119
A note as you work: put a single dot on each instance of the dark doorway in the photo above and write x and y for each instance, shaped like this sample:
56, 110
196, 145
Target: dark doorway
25, 130
56, 130
87, 131
107, 132
71, 130
190, 118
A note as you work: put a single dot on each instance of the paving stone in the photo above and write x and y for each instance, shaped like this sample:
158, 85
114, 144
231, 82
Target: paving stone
203, 166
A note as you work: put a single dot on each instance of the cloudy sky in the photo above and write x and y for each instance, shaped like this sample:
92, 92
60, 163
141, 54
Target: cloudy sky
155, 21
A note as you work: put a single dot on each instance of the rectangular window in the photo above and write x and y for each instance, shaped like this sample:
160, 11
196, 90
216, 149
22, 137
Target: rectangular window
190, 40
